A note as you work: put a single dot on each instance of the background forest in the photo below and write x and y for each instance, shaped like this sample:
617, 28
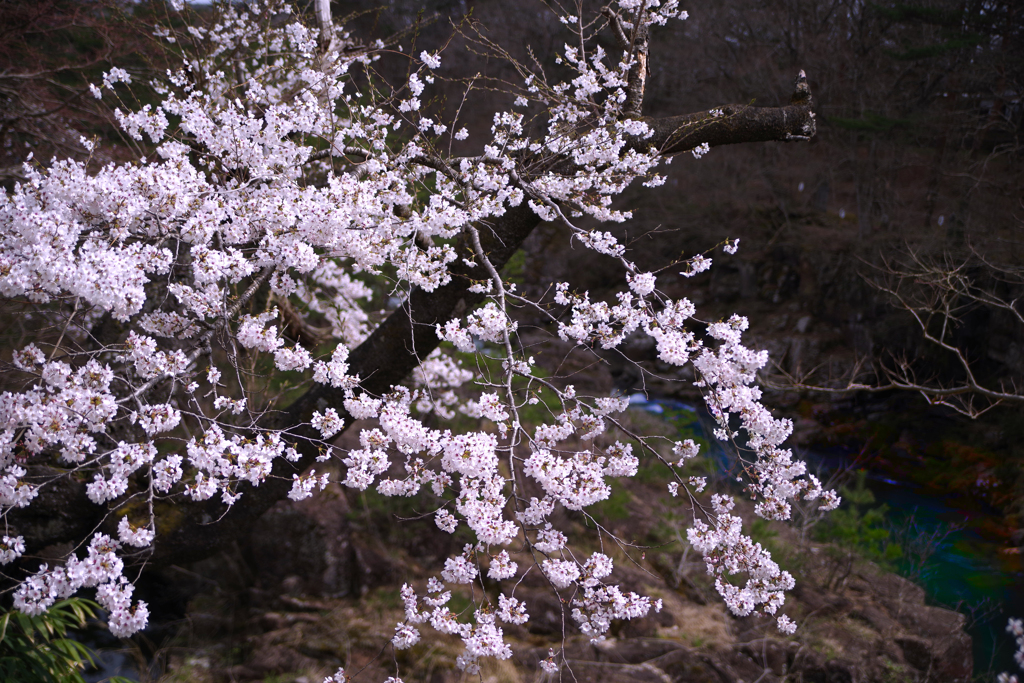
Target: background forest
902, 219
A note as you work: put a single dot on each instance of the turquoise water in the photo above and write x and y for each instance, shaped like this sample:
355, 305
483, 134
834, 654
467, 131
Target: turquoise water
969, 570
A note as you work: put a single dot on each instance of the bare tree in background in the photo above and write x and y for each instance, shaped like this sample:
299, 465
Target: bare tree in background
49, 53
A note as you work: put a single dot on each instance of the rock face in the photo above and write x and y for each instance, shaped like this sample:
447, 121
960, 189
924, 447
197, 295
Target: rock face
944, 658
309, 548
306, 548
877, 627
315, 563
935, 642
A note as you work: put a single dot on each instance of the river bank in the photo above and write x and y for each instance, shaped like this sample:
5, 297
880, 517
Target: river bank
941, 505
326, 595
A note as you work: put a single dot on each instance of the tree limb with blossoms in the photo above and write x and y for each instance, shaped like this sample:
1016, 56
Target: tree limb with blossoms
174, 389
1015, 627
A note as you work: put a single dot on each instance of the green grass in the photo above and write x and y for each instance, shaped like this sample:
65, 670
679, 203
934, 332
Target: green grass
615, 508
860, 526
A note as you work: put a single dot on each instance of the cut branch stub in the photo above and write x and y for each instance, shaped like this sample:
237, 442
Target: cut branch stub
801, 91
735, 123
323, 20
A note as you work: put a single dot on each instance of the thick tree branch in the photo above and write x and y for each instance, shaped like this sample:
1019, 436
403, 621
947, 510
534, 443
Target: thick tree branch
394, 349
735, 123
324, 23
636, 47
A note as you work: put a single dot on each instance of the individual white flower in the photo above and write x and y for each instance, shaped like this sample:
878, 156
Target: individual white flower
698, 264
502, 567
431, 61
338, 677
685, 450
158, 418
550, 540
116, 75
561, 573
405, 637
512, 610
28, 357
458, 570
641, 283
167, 473
445, 521
549, 665
292, 358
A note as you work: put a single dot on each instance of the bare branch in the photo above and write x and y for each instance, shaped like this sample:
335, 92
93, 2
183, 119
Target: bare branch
936, 295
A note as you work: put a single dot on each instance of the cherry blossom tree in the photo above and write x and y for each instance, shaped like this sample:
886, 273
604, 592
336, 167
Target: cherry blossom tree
174, 390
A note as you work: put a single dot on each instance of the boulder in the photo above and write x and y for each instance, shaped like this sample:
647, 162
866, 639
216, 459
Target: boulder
634, 650
769, 654
307, 548
603, 672
685, 666
917, 652
938, 644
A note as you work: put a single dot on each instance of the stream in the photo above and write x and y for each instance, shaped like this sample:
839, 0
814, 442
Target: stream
969, 569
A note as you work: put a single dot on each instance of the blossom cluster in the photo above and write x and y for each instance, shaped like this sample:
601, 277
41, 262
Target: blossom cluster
1015, 627
102, 569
